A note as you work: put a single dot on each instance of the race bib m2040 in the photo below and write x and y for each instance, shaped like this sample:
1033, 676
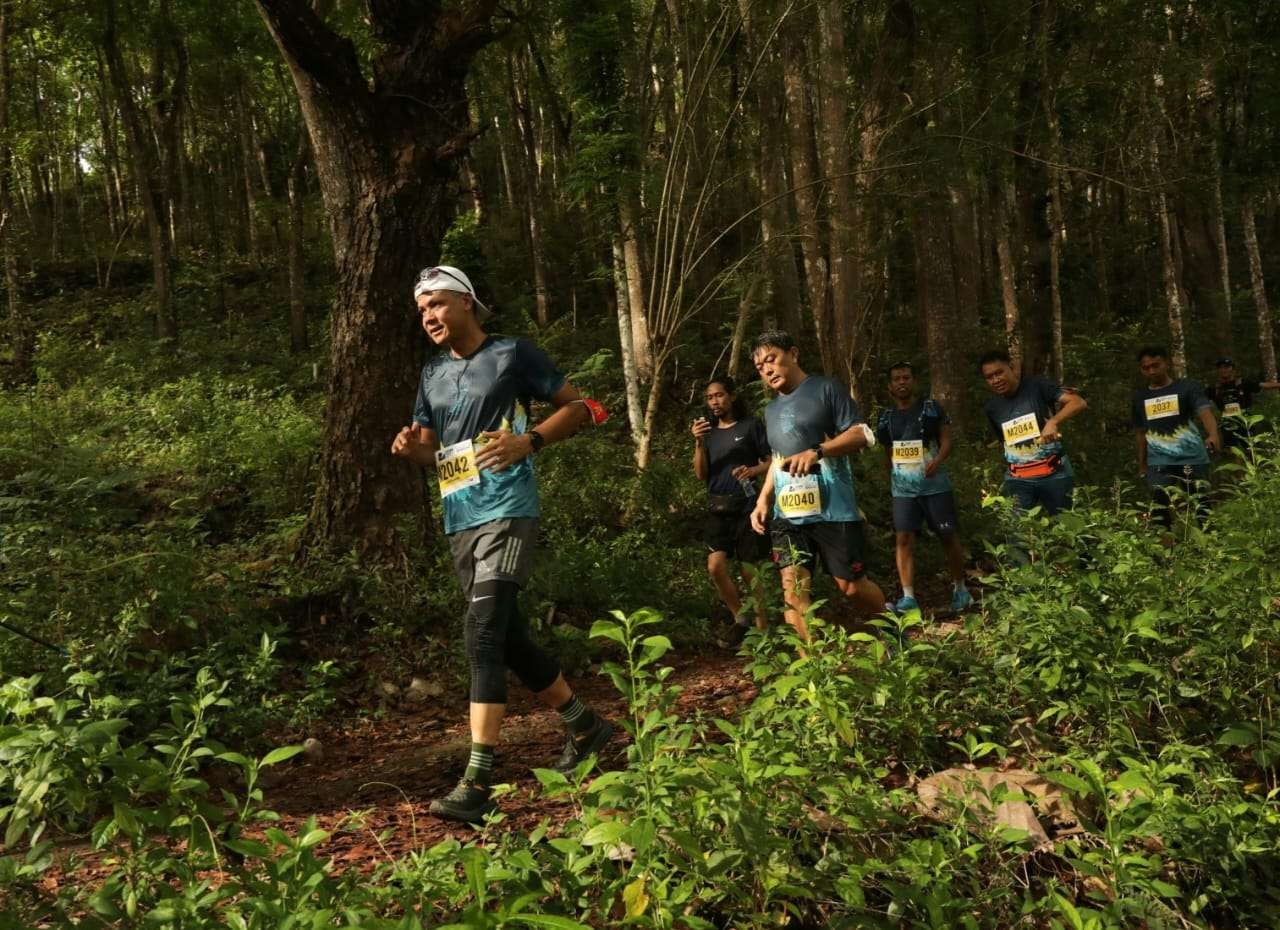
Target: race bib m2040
800, 498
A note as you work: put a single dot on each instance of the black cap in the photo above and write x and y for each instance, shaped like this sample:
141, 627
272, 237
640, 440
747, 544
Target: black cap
902, 364
1225, 362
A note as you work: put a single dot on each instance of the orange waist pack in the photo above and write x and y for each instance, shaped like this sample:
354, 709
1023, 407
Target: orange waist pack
1040, 468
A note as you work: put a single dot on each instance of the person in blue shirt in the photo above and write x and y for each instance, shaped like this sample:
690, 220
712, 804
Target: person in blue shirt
812, 426
471, 422
916, 436
1172, 456
1026, 416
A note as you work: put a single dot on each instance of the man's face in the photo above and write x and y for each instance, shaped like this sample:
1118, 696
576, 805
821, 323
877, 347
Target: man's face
1226, 374
778, 368
1155, 368
445, 315
902, 384
999, 377
719, 400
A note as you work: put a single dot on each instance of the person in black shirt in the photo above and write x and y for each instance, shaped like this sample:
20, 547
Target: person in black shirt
730, 456
1234, 397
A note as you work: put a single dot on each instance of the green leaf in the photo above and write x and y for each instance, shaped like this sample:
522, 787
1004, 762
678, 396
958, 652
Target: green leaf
606, 629
550, 921
608, 832
280, 754
1238, 736
635, 898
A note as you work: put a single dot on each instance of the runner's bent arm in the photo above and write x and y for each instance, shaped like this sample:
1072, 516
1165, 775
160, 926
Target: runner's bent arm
848, 442
417, 443
1069, 404
504, 448
701, 465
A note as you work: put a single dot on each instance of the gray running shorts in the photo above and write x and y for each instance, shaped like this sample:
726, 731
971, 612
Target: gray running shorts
500, 550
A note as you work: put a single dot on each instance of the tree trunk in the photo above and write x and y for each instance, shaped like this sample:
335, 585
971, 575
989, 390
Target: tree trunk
297, 274
532, 201
385, 161
246, 172
641, 343
1266, 344
936, 300
21, 368
630, 374
833, 142
1005, 200
804, 176
746, 309
1172, 291
1227, 326
1055, 273
149, 177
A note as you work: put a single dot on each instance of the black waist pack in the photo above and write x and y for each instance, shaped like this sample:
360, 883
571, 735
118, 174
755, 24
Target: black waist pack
727, 504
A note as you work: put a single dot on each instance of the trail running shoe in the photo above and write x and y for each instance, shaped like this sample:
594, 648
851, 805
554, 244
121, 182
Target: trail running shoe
905, 604
577, 748
738, 631
466, 803
961, 600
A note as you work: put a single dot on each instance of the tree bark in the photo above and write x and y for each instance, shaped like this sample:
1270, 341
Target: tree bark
803, 177
1006, 200
148, 174
630, 374
21, 368
936, 299
297, 274
1266, 343
385, 161
642, 344
532, 200
1172, 291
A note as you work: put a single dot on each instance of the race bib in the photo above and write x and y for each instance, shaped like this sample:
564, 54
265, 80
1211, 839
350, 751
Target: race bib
908, 453
1166, 405
456, 468
1020, 429
1232, 410
801, 498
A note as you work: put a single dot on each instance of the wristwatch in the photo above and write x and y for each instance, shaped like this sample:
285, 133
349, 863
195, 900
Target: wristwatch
817, 447
536, 441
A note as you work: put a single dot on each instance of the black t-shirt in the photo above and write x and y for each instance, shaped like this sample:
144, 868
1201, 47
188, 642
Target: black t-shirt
1240, 391
744, 443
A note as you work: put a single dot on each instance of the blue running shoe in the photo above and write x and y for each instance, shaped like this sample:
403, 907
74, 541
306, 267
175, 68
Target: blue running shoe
905, 604
961, 600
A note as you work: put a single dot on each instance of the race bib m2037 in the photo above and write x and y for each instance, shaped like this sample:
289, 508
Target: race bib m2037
1166, 405
456, 468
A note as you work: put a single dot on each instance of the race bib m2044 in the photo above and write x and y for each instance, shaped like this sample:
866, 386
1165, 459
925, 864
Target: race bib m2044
1020, 429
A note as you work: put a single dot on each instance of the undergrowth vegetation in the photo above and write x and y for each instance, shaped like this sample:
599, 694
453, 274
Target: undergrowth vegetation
148, 505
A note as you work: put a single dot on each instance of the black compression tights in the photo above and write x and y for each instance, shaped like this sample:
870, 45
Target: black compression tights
498, 639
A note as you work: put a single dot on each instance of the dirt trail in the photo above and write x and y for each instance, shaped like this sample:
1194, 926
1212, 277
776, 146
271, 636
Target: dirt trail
391, 769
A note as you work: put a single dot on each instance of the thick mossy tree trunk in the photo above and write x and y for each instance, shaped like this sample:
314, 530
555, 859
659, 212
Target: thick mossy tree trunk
385, 154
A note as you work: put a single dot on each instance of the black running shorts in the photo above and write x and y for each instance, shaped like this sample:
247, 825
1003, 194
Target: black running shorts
839, 547
731, 533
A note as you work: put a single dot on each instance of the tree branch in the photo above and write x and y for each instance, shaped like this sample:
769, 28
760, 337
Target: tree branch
312, 49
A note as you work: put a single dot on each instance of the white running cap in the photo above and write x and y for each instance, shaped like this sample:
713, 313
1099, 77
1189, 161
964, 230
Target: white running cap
448, 278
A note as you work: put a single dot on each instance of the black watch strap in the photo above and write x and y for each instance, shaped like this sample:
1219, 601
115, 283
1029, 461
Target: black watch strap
536, 442
817, 447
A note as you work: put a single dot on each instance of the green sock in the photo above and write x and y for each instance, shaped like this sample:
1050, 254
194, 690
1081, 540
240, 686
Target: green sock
481, 765
578, 717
